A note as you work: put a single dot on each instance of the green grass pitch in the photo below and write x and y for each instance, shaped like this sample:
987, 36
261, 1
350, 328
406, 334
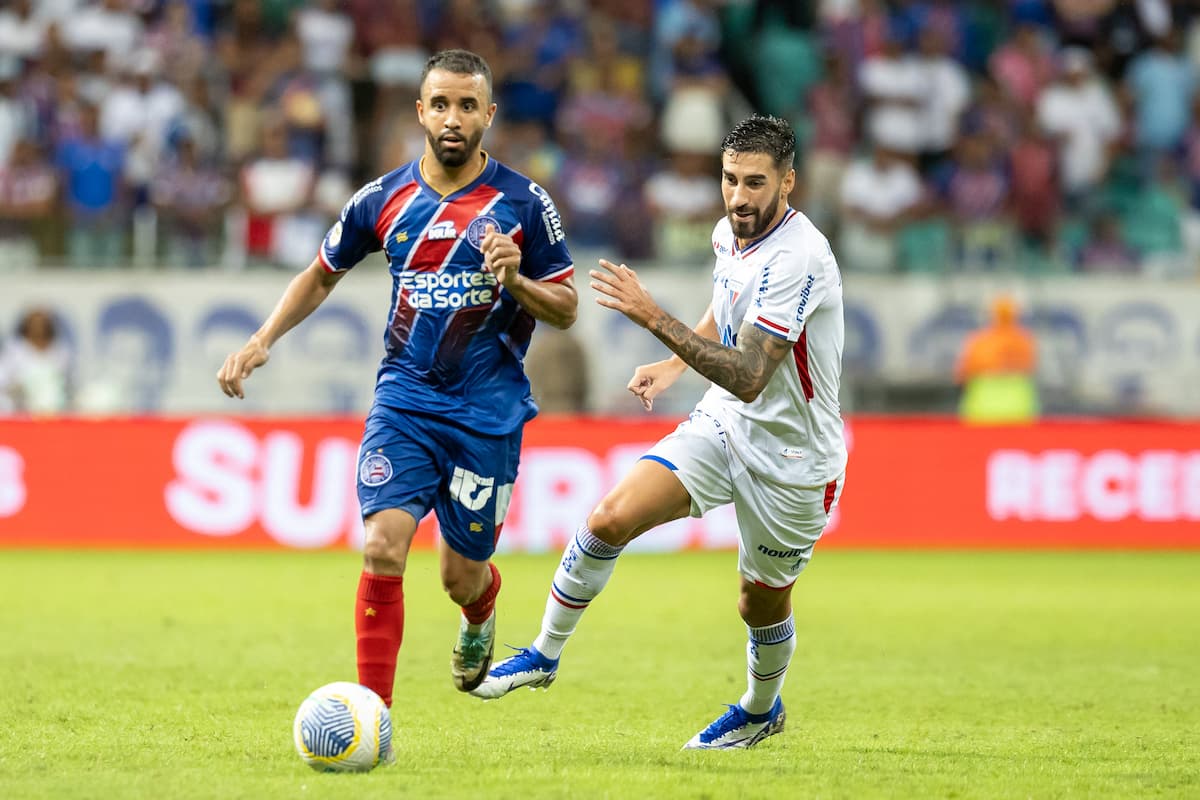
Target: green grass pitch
918, 674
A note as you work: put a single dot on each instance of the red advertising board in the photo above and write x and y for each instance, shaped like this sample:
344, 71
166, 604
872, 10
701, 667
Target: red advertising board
225, 482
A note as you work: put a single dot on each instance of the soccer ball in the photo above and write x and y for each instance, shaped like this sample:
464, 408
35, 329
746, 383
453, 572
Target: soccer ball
343, 727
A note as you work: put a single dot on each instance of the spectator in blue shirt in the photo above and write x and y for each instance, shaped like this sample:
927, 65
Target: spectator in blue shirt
93, 192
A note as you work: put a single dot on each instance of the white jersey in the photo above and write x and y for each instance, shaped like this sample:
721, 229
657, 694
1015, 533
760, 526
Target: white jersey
786, 283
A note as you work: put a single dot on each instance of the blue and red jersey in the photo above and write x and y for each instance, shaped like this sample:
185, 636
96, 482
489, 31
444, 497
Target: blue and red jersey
455, 341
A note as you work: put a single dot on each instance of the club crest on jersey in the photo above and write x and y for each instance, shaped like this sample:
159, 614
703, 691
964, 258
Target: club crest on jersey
375, 470
442, 231
478, 229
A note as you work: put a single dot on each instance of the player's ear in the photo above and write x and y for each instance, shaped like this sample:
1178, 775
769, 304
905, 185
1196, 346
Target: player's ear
789, 182
420, 111
491, 114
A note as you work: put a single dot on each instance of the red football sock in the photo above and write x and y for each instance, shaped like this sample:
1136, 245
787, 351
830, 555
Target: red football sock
481, 609
379, 625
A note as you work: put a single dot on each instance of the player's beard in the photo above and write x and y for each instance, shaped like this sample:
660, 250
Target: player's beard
755, 226
456, 157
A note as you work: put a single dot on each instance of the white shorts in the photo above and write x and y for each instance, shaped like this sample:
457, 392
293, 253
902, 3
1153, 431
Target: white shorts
777, 524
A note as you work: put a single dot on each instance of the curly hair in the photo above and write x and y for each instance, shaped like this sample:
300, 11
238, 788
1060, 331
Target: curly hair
763, 134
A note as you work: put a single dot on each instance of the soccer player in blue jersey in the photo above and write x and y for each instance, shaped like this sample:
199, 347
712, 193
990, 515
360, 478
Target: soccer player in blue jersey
477, 255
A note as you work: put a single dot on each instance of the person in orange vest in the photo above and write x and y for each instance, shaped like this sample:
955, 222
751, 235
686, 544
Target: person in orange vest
996, 370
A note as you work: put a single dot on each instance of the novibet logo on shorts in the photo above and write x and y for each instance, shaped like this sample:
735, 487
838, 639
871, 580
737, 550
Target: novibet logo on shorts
767, 551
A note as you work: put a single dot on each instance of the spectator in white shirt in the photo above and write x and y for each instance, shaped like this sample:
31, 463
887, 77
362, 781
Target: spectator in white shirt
947, 94
277, 188
16, 118
893, 84
107, 26
139, 104
327, 34
22, 33
1080, 113
35, 367
879, 195
682, 199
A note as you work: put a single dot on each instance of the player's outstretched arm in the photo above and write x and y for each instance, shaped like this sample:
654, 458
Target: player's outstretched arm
651, 380
743, 370
302, 296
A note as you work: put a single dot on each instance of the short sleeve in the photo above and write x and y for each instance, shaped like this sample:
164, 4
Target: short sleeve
353, 235
790, 286
544, 254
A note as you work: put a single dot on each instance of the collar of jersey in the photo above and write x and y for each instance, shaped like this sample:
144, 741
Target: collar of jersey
791, 212
489, 166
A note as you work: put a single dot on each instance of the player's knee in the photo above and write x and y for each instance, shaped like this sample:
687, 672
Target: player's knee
382, 556
462, 590
609, 524
745, 606
758, 607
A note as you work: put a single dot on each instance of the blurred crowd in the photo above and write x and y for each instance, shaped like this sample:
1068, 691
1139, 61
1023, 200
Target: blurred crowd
1026, 136
1020, 135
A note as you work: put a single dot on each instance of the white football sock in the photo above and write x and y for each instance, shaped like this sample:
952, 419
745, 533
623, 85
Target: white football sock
767, 656
586, 565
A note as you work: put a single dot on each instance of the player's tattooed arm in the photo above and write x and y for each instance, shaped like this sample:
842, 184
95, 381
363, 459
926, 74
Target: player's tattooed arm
743, 370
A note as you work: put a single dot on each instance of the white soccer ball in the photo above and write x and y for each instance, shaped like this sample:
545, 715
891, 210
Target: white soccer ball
343, 727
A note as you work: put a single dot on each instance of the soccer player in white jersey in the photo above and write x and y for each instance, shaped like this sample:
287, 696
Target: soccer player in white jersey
767, 436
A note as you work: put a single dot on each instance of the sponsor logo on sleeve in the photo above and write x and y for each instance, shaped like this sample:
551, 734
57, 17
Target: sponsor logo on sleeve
553, 223
805, 293
366, 191
335, 235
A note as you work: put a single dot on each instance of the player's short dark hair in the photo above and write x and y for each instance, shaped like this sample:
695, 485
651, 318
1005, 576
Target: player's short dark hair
459, 62
763, 134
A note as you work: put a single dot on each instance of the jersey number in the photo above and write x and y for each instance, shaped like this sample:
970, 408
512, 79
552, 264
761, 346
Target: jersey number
470, 489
